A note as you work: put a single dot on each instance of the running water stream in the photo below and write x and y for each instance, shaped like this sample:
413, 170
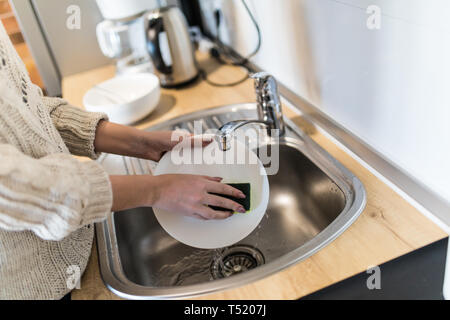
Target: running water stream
192, 269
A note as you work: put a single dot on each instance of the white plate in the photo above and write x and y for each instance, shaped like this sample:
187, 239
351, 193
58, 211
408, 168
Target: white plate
125, 99
212, 234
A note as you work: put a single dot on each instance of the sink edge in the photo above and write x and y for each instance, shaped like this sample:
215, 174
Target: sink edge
355, 195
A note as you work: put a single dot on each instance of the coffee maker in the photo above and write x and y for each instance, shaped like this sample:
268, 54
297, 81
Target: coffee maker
121, 36
142, 37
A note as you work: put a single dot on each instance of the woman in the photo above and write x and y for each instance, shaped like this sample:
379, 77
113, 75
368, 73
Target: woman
48, 199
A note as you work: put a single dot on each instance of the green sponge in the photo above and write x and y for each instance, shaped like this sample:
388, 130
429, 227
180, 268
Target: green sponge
245, 188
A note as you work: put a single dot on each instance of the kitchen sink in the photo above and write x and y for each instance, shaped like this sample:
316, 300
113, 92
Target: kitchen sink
313, 199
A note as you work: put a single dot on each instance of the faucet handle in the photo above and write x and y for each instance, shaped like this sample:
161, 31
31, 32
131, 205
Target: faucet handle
269, 102
261, 79
266, 87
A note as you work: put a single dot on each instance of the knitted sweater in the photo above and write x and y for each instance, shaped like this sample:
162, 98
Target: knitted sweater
48, 199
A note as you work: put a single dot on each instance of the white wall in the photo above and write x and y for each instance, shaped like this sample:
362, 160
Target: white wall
390, 87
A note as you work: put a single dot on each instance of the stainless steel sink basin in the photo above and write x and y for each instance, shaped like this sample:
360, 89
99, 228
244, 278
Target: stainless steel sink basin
313, 199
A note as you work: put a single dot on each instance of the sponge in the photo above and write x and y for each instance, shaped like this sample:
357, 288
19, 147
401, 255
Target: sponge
245, 188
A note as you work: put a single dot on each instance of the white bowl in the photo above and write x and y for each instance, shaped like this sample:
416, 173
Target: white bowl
126, 98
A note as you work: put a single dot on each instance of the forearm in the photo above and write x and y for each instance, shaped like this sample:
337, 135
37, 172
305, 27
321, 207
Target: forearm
133, 191
118, 139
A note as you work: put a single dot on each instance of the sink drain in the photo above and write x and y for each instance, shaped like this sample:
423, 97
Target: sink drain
235, 260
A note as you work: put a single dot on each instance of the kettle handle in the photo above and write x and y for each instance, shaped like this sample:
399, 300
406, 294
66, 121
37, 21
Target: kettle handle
154, 29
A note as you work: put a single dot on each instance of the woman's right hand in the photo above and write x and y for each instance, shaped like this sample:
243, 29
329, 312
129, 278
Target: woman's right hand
191, 195
185, 194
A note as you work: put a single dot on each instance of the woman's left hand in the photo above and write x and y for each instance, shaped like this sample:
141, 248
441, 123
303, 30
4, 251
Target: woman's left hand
157, 143
129, 141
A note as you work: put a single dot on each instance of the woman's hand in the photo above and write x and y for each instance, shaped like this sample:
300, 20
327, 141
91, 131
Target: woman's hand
191, 195
156, 143
185, 194
128, 141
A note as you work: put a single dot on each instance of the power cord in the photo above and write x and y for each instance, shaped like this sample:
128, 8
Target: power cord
222, 53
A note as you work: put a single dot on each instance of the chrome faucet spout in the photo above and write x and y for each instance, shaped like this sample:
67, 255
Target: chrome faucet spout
269, 111
226, 131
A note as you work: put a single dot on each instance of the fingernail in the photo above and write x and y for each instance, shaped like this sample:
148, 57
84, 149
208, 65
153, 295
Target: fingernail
241, 210
218, 178
241, 195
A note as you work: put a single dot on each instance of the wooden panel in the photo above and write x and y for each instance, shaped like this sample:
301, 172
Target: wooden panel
5, 8
25, 55
12, 28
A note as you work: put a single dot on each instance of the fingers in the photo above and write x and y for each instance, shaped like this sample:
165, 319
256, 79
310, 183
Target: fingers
209, 214
221, 188
205, 140
177, 136
197, 216
195, 141
215, 179
206, 143
202, 140
221, 202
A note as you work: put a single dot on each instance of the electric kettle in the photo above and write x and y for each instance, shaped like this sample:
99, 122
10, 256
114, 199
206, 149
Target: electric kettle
170, 47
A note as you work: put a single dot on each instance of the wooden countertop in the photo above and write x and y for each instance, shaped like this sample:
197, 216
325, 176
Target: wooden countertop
388, 228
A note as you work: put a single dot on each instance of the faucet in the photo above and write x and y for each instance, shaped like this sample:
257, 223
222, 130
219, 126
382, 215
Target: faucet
269, 111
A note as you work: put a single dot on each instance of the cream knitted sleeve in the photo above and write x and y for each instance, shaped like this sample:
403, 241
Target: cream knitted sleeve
52, 196
76, 126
